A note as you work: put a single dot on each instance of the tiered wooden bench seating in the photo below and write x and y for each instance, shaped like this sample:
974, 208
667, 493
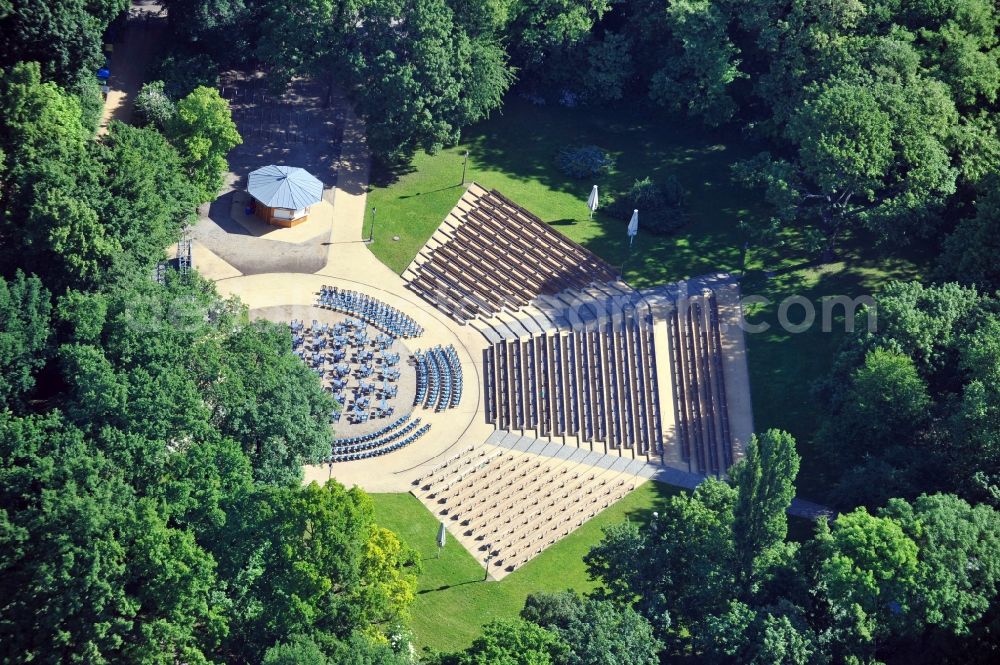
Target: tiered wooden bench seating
511, 506
699, 387
492, 255
598, 385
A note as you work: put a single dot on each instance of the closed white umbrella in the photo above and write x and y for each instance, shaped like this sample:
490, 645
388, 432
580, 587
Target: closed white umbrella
592, 201
633, 227
441, 537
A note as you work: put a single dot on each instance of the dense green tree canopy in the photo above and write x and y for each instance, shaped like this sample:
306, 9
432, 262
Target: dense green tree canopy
221, 30
596, 631
24, 335
203, 132
92, 213
913, 404
678, 569
699, 62
42, 142
64, 35
309, 559
958, 562
178, 363
971, 250
90, 572
415, 74
765, 483
511, 642
542, 32
189, 563
867, 153
869, 570
865, 588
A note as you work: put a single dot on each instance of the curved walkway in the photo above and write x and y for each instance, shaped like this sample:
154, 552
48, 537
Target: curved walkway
349, 264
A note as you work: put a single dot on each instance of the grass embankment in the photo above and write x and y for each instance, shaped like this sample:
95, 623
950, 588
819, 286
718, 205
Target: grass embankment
515, 153
453, 602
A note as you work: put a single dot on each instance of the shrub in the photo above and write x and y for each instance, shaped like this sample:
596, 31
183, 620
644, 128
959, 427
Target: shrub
609, 68
583, 161
91, 101
182, 73
153, 107
660, 206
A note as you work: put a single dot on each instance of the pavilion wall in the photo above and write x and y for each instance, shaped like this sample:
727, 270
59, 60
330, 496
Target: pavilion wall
272, 215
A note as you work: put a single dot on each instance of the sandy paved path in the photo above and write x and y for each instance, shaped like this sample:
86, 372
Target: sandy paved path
349, 264
147, 26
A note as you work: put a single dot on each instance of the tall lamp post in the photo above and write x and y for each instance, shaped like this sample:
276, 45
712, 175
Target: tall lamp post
489, 557
371, 233
465, 164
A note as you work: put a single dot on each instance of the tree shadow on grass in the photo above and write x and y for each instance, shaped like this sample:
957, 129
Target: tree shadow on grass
433, 191
659, 259
445, 587
523, 143
663, 493
384, 173
785, 366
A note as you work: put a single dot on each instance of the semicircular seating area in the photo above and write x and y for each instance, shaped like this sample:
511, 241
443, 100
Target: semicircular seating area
370, 310
348, 362
398, 434
439, 378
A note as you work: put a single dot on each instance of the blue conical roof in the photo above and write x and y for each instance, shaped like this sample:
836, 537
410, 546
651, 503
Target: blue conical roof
284, 187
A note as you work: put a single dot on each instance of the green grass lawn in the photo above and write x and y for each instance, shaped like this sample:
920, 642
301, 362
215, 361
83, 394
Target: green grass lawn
515, 153
453, 602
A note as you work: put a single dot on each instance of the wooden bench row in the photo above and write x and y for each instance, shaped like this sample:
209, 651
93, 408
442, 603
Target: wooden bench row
699, 385
597, 385
500, 257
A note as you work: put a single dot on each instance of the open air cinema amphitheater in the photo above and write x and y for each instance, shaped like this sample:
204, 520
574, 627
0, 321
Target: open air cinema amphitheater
510, 380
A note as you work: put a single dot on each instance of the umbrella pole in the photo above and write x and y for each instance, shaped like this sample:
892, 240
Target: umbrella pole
621, 274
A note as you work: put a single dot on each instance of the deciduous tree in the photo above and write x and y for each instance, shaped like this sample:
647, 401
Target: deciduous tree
203, 132
308, 559
25, 331
64, 35
765, 486
511, 642
596, 631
